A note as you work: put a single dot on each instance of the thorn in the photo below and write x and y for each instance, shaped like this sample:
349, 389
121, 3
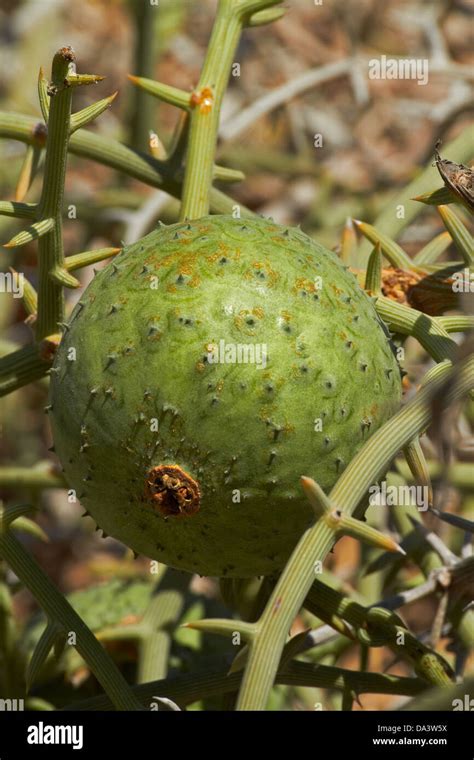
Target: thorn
33, 232
77, 80
350, 526
111, 359
316, 496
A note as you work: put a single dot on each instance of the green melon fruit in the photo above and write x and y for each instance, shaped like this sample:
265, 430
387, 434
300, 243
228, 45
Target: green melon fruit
204, 370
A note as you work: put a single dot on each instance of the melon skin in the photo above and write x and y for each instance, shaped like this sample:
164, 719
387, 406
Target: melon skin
134, 387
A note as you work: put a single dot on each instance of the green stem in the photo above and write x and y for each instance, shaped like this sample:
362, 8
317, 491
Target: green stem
205, 118
39, 476
111, 153
458, 474
407, 321
160, 619
21, 210
428, 560
8, 635
456, 323
231, 16
324, 602
58, 609
21, 367
143, 108
50, 246
189, 688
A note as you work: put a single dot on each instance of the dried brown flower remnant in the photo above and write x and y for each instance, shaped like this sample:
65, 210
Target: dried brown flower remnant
397, 283
172, 491
430, 293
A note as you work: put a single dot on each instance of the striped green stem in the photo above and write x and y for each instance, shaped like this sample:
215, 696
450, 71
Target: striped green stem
188, 688
58, 609
21, 367
37, 477
207, 100
111, 153
427, 330
50, 246
20, 210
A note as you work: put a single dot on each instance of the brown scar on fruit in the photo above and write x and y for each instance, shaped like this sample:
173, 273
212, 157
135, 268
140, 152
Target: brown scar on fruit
303, 284
172, 492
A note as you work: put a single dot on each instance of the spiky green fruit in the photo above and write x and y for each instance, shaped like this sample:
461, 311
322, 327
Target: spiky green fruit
203, 371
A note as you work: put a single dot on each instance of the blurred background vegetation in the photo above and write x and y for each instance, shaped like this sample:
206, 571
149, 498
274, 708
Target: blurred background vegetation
377, 136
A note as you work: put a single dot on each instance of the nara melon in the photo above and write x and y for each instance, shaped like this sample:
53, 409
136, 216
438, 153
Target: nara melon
203, 371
